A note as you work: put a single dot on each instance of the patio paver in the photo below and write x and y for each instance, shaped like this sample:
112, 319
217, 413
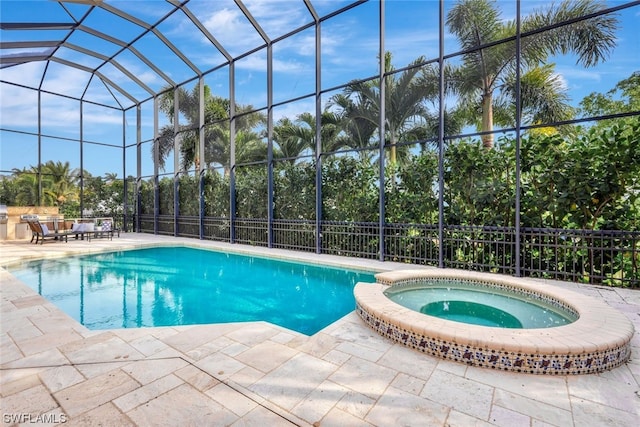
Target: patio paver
244, 374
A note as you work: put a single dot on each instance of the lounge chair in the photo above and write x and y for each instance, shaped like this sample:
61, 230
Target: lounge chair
34, 231
40, 232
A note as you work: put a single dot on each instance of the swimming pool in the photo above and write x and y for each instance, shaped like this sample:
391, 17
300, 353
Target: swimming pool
167, 286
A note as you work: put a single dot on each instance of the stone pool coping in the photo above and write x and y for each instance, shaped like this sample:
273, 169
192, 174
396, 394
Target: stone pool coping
598, 341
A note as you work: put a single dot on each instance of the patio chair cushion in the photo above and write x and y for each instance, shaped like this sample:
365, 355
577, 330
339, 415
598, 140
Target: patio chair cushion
45, 229
106, 225
82, 227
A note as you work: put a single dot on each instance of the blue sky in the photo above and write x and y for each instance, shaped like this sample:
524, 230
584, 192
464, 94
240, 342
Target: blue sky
349, 51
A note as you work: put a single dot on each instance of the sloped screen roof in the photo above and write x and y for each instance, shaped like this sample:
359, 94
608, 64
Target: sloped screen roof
116, 52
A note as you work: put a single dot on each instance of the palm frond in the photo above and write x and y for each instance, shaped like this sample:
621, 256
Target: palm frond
592, 40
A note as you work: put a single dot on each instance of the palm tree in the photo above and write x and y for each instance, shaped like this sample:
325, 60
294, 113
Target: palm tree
428, 132
188, 104
27, 185
485, 70
544, 98
110, 177
357, 128
294, 137
58, 181
404, 96
62, 183
250, 147
216, 128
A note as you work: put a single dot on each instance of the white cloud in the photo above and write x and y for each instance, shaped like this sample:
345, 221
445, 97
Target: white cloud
303, 45
258, 62
19, 106
576, 73
231, 29
579, 82
147, 10
292, 110
278, 17
65, 80
407, 45
146, 75
235, 33
28, 74
72, 81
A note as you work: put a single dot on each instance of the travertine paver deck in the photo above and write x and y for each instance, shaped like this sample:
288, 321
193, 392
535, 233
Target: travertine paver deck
53, 369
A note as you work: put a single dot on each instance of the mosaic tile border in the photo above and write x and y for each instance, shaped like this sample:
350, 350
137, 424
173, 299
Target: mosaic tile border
496, 359
598, 341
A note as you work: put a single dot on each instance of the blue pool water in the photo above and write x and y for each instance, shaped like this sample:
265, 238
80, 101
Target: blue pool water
466, 302
184, 286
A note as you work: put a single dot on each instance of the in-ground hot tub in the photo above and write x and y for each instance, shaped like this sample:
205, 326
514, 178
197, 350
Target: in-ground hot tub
597, 340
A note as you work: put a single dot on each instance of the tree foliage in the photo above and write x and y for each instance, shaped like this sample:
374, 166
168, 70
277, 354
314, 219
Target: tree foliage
485, 78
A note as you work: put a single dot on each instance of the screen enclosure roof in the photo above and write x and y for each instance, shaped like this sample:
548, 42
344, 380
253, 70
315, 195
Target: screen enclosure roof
118, 53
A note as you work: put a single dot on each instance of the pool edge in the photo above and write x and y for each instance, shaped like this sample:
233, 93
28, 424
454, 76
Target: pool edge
598, 341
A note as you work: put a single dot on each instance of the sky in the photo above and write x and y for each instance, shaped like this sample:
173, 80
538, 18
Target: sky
349, 41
